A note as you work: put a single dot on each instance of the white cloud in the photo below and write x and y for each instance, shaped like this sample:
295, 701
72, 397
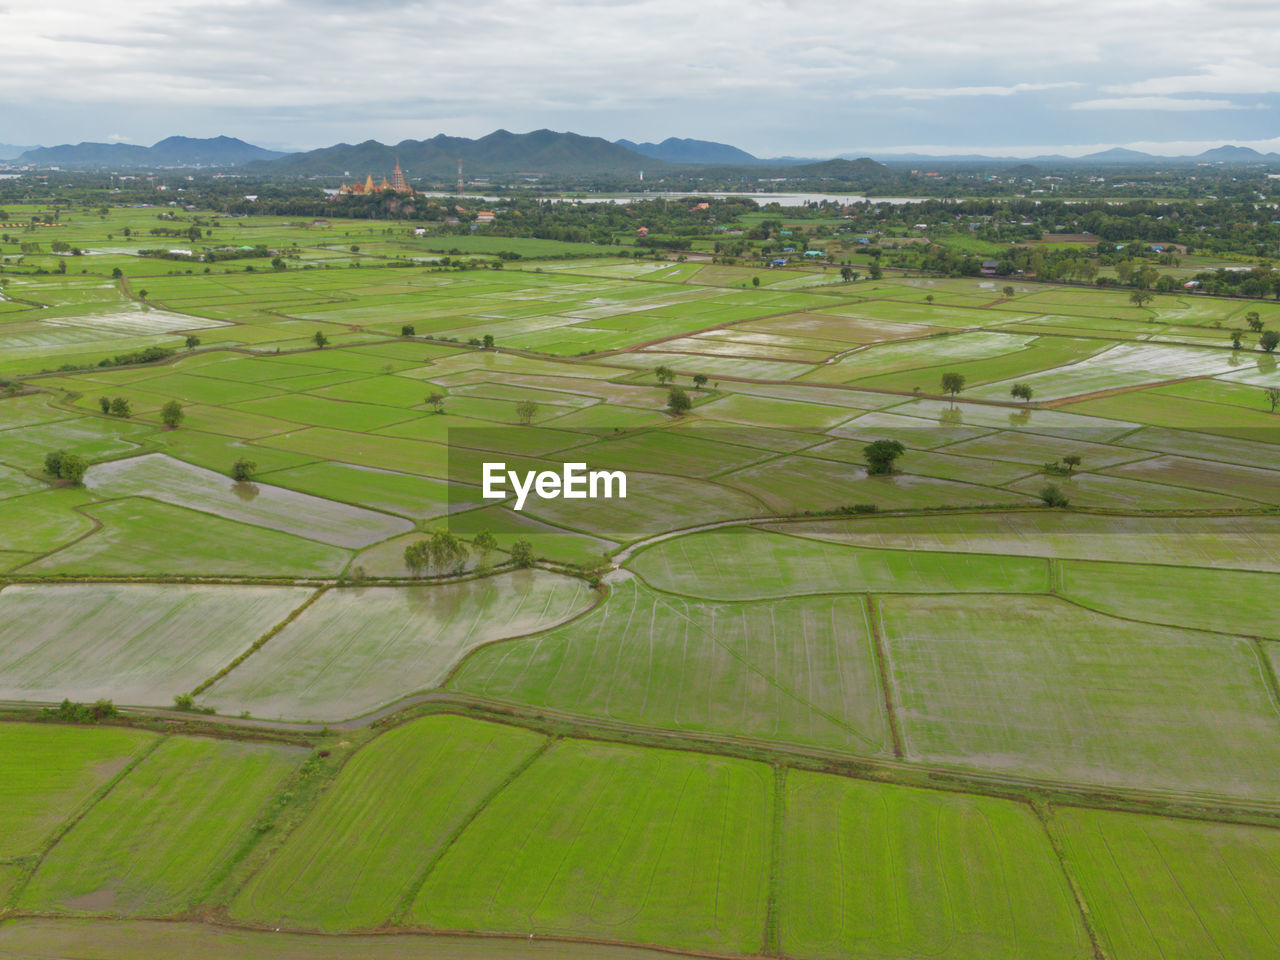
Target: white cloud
1156, 103
932, 93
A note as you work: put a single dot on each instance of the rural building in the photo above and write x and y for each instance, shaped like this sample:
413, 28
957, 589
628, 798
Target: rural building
989, 267
484, 216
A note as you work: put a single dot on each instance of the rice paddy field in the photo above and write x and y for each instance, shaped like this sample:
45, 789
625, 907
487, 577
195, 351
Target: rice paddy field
768, 704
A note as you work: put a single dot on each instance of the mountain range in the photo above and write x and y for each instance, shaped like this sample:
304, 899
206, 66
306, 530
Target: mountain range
548, 152
170, 152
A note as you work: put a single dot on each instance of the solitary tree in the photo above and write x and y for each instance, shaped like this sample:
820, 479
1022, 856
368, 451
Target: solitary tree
1071, 461
952, 383
880, 456
120, 407
243, 470
487, 341
699, 380
1140, 298
522, 553
664, 374
436, 401
320, 339
192, 341
116, 273
928, 298
1008, 292
526, 410
846, 274
1273, 397
755, 281
53, 460
1235, 339
1052, 496
678, 401
142, 294
1254, 321
1269, 341
1021, 391
171, 414
105, 404
406, 330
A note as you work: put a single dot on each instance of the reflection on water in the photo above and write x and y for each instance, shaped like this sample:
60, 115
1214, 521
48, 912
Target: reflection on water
245, 490
1019, 418
952, 416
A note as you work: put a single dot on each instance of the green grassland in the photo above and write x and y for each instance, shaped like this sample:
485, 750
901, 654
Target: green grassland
154, 844
618, 843
911, 873
48, 772
1035, 685
1119, 652
388, 816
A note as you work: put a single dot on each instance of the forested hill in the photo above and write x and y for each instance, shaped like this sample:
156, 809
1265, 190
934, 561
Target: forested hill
501, 152
170, 152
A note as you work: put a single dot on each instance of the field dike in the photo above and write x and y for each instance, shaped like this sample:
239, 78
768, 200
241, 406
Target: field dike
1044, 814
260, 642
882, 666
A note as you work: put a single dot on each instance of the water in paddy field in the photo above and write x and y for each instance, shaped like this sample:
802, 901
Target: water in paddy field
781, 199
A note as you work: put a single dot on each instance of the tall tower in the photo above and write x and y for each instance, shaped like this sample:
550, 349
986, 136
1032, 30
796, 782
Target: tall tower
397, 179
460, 176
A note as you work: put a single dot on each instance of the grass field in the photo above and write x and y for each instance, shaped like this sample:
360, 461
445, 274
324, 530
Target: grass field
159, 840
47, 772
881, 871
390, 813
1037, 686
797, 669
1084, 662
1161, 888
618, 843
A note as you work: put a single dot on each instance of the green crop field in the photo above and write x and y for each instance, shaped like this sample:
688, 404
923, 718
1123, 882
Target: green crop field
1017, 696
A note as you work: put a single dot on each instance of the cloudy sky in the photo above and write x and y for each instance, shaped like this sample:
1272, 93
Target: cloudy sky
800, 77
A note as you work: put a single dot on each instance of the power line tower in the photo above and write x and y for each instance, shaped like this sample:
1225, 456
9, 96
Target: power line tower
459, 176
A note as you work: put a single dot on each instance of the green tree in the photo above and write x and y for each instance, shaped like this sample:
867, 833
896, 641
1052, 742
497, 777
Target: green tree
880, 456
1254, 321
487, 341
1273, 397
192, 341
876, 271
846, 274
120, 407
522, 553
952, 383
116, 273
755, 281
406, 330
483, 544
1269, 341
678, 401
699, 380
1052, 496
171, 414
526, 410
72, 468
664, 374
1071, 461
1235, 339
53, 461
321, 340
1140, 298
105, 404
142, 294
417, 557
436, 402
1021, 391
1007, 291
243, 470
447, 552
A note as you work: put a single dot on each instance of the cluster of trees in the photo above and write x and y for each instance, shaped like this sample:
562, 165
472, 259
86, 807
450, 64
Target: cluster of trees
65, 466
446, 553
115, 406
